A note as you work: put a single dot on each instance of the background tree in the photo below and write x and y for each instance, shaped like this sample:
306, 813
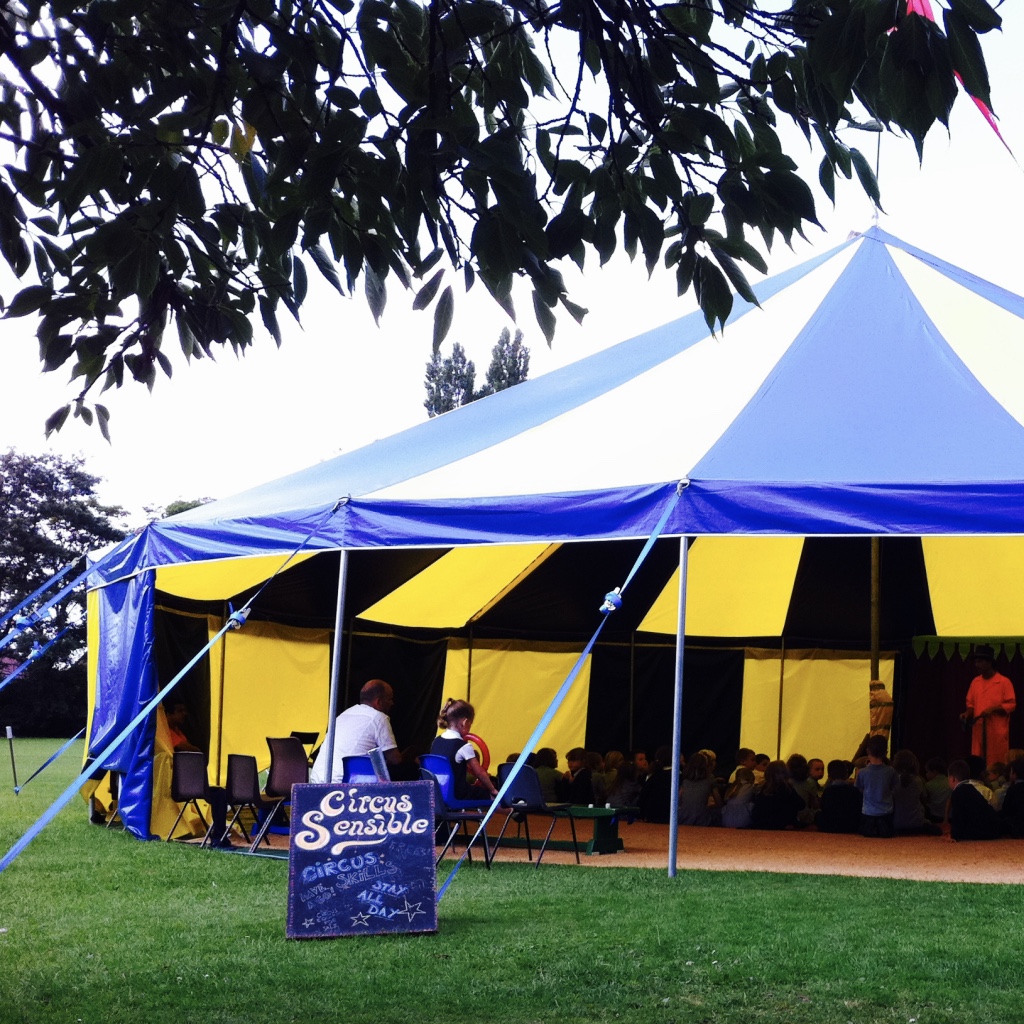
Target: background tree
510, 363
188, 163
449, 381
176, 506
49, 516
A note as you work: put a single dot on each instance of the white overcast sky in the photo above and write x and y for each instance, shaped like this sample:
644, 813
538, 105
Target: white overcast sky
339, 382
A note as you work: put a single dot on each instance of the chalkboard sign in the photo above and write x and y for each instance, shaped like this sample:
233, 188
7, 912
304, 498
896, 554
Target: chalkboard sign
361, 860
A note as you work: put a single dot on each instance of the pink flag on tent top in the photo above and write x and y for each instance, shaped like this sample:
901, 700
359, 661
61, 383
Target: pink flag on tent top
924, 9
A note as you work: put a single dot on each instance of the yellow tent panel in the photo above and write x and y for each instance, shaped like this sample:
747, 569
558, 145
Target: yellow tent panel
973, 583
458, 586
266, 680
511, 686
218, 580
736, 586
823, 707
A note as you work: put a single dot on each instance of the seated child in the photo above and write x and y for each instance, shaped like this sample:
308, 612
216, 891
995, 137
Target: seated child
698, 798
761, 762
1012, 812
970, 814
840, 801
805, 786
816, 772
626, 790
598, 780
577, 785
997, 782
876, 781
739, 799
777, 803
745, 758
979, 775
936, 790
909, 817
545, 763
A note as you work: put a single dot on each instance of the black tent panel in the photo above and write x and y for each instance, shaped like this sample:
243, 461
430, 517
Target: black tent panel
306, 594
831, 600
415, 670
712, 699
177, 639
563, 595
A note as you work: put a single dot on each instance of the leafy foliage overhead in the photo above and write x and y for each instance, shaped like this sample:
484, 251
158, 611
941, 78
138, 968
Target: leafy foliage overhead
190, 163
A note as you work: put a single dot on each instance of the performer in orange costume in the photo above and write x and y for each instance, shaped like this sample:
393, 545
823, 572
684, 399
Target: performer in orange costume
990, 701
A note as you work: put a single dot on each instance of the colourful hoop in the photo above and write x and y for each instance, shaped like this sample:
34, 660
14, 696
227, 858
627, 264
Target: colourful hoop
485, 754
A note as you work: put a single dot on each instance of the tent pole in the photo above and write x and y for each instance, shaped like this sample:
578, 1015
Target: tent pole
782, 683
220, 707
632, 688
677, 715
339, 623
876, 603
469, 667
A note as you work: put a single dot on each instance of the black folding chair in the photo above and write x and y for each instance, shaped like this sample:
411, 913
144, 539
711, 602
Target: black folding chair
188, 785
525, 797
289, 767
243, 791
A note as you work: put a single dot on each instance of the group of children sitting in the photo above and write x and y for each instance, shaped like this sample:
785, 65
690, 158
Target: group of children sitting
870, 795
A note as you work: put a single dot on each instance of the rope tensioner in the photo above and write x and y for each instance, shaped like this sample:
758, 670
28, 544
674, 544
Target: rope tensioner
612, 601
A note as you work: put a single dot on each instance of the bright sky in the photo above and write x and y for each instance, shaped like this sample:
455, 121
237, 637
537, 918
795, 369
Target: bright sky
339, 382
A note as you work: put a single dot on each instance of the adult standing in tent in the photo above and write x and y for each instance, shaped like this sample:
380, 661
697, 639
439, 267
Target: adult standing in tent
359, 729
990, 702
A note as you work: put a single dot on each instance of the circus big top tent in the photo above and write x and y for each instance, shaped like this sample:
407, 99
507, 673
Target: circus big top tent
878, 391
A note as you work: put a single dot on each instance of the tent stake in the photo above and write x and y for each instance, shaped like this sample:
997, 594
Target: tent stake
339, 620
677, 715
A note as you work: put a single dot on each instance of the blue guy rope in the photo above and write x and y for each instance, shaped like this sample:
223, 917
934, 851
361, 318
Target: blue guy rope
46, 764
612, 602
235, 621
26, 622
66, 797
34, 655
55, 578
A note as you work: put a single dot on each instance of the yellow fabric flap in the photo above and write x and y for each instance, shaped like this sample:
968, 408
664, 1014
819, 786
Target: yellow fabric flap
736, 586
219, 580
458, 586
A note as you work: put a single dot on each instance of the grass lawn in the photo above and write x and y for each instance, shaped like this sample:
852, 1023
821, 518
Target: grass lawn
97, 927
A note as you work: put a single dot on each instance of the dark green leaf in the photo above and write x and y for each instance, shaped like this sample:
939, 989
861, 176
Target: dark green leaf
545, 317
57, 419
965, 53
426, 294
103, 420
376, 293
867, 176
28, 300
325, 265
978, 14
443, 313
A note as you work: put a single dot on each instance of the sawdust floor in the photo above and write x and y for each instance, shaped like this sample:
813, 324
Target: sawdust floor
924, 858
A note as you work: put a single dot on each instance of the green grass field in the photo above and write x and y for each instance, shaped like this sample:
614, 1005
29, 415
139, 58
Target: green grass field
97, 927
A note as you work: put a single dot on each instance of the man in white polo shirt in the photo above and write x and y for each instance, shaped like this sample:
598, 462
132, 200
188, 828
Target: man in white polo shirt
359, 729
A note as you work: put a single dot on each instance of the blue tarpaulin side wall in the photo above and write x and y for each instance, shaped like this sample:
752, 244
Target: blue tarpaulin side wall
125, 682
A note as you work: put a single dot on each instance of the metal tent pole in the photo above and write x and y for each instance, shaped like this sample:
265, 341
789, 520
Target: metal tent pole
677, 715
339, 621
876, 604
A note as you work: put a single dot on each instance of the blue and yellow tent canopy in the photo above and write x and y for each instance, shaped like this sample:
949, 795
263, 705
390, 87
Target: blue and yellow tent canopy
876, 391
